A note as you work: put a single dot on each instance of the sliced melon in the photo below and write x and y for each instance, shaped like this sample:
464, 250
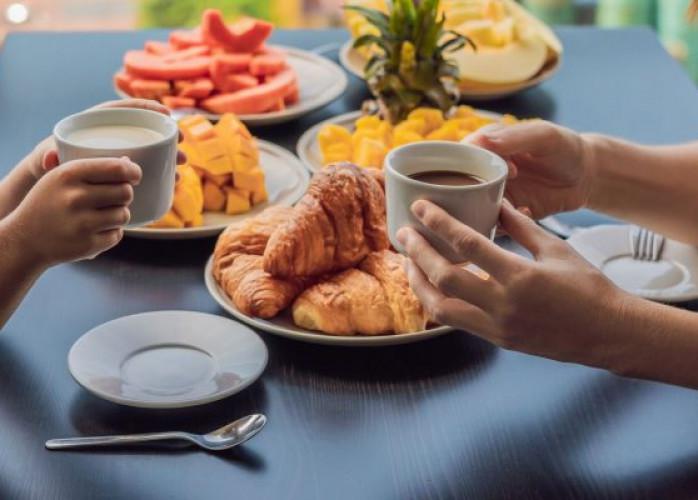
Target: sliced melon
544, 32
516, 62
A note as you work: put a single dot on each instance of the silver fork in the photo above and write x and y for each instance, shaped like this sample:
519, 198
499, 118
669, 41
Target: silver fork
646, 245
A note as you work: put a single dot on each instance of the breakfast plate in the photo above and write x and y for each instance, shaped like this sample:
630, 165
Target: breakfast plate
167, 359
308, 148
320, 81
354, 63
283, 324
674, 278
286, 181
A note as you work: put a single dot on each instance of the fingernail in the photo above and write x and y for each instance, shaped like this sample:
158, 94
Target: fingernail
401, 235
418, 208
494, 133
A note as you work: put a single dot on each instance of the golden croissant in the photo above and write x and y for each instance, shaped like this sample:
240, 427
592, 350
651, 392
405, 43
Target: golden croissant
237, 266
337, 223
374, 299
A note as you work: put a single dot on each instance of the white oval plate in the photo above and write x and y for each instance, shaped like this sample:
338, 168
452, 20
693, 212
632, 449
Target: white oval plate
308, 148
286, 179
283, 324
354, 63
674, 278
167, 359
320, 81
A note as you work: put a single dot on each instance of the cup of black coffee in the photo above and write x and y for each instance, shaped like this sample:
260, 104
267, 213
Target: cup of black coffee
466, 181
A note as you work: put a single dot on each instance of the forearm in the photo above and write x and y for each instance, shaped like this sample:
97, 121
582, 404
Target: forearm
655, 342
655, 187
19, 269
15, 186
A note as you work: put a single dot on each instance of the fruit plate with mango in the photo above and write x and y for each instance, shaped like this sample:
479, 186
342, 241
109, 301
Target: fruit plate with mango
508, 50
229, 176
219, 68
365, 139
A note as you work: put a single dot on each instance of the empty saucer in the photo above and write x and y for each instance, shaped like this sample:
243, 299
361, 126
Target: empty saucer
673, 278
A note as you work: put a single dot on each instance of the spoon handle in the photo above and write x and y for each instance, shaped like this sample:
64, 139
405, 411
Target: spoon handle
82, 442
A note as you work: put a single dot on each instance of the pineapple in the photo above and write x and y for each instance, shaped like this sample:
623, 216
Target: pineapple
409, 70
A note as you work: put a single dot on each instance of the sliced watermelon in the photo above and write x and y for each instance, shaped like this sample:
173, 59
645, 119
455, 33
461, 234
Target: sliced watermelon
150, 89
198, 89
174, 102
183, 39
253, 100
123, 80
245, 35
292, 95
191, 52
158, 48
238, 81
266, 64
145, 65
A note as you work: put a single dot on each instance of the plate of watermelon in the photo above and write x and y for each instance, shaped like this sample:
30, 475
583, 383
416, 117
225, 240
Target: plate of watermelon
219, 68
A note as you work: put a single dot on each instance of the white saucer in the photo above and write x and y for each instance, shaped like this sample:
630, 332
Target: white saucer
167, 359
672, 279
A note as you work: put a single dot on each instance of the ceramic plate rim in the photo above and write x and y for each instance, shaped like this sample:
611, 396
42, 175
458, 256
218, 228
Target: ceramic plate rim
159, 405
579, 241
475, 95
308, 336
189, 233
329, 94
308, 138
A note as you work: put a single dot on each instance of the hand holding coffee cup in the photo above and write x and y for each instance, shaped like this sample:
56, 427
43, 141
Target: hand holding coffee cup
146, 137
466, 181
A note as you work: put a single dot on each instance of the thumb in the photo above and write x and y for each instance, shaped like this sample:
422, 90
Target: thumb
523, 229
50, 160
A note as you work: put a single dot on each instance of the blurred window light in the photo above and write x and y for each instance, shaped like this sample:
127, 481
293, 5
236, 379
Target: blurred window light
17, 13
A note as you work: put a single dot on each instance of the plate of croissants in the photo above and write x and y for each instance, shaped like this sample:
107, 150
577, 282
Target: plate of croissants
322, 271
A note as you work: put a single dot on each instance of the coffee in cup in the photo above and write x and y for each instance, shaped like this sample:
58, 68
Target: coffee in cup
466, 181
146, 137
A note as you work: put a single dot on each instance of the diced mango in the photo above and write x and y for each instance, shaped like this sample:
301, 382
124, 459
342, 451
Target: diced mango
370, 153
418, 125
433, 118
197, 221
337, 153
230, 125
210, 148
214, 197
186, 203
238, 201
219, 180
169, 221
196, 128
259, 196
242, 163
219, 166
358, 136
446, 132
250, 181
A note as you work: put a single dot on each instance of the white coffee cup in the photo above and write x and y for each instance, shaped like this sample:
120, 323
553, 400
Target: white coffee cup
476, 205
156, 153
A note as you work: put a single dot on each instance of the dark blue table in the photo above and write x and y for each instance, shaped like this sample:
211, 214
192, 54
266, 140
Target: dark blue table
449, 418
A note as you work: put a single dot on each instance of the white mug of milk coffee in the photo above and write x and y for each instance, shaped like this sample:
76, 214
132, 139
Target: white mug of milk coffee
466, 181
147, 138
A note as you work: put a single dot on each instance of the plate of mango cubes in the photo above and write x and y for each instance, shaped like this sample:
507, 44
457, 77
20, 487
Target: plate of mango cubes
365, 139
229, 175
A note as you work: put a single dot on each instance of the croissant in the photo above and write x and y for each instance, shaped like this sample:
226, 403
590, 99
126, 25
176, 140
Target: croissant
238, 269
373, 300
339, 221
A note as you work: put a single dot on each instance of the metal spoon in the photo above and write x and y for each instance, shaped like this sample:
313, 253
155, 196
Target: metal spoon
224, 438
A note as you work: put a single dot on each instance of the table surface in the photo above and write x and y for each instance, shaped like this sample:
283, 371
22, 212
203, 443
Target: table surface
453, 417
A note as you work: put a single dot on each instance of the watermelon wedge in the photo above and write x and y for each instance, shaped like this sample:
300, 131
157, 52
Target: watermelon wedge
253, 100
174, 102
266, 64
245, 35
198, 89
123, 80
238, 81
145, 65
158, 48
183, 39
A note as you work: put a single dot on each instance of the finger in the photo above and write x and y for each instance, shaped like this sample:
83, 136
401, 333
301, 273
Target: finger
468, 243
181, 158
50, 160
444, 310
536, 137
107, 195
524, 230
524, 210
105, 170
105, 240
449, 279
136, 103
112, 218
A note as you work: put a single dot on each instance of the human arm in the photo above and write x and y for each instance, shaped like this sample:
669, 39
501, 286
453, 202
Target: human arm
557, 305
554, 169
